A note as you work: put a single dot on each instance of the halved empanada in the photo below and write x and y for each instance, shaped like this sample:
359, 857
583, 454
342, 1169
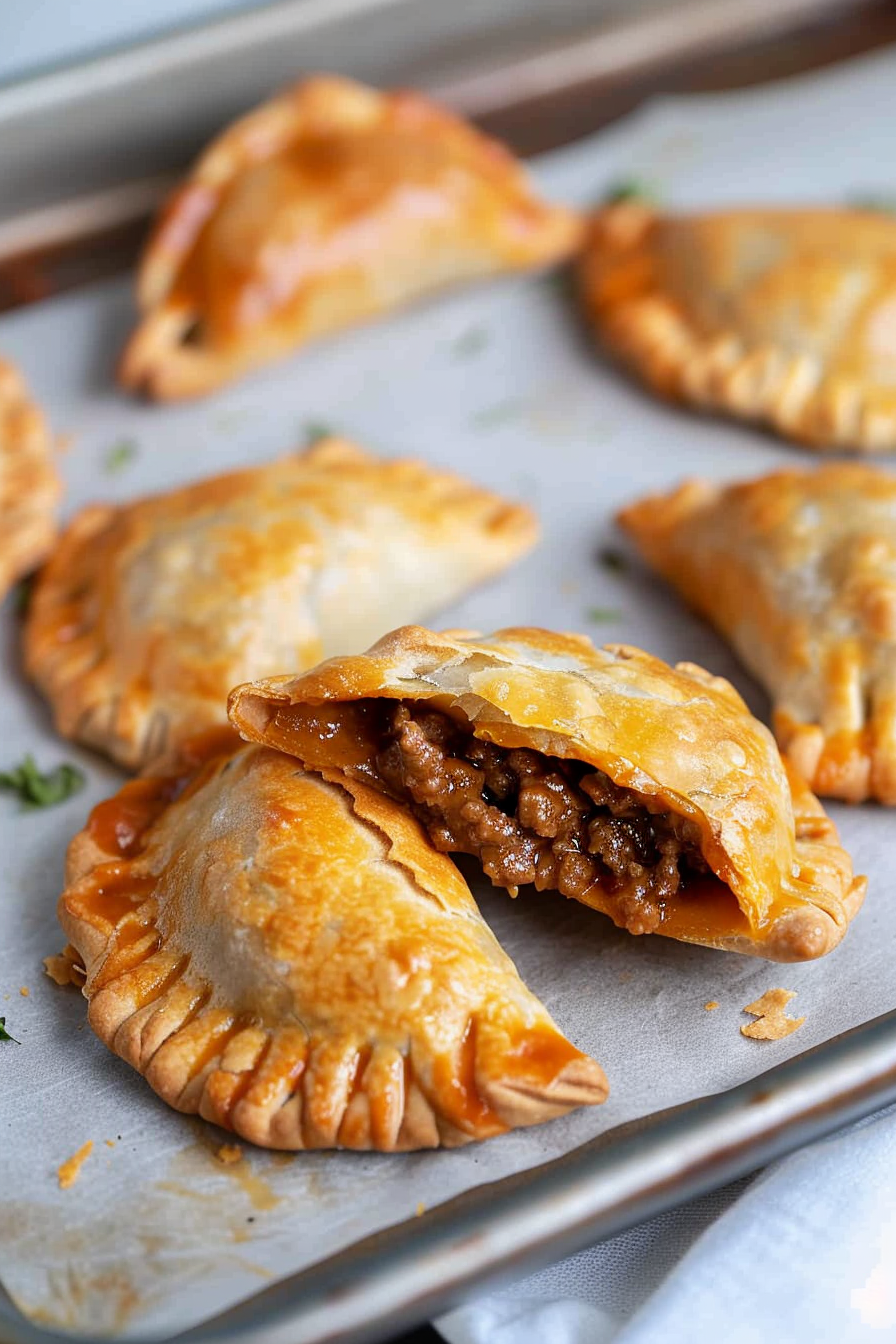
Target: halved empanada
290, 958
148, 614
320, 209
798, 570
782, 316
645, 791
29, 484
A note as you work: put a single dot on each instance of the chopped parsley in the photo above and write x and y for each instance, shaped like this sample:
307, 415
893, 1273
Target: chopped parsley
612, 560
119, 456
629, 189
498, 414
600, 615
880, 202
232, 420
37, 788
4, 1034
557, 280
469, 343
315, 430
23, 593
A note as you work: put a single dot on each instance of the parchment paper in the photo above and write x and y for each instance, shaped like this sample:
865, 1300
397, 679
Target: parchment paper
157, 1234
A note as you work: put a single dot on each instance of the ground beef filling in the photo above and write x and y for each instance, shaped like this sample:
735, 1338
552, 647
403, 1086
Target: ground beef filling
533, 818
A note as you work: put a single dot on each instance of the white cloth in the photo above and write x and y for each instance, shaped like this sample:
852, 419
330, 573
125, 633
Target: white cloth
805, 1253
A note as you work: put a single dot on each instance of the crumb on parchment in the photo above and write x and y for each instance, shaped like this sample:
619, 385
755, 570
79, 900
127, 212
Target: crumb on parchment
25, 992
711, 1004
772, 1022
69, 1172
229, 1153
65, 968
421, 1209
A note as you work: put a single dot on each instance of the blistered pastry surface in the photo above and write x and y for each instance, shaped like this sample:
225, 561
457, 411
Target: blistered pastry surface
787, 317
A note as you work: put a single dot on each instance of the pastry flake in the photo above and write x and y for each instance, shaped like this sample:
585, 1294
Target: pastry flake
647, 792
229, 1154
148, 613
70, 1171
65, 968
798, 570
772, 1022
290, 958
323, 208
786, 317
30, 487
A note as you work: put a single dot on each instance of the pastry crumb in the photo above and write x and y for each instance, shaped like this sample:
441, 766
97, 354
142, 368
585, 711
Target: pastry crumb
66, 967
110, 1143
421, 1209
69, 1172
25, 992
711, 1004
229, 1153
772, 1022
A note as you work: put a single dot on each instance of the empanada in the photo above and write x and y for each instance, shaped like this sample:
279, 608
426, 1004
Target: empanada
647, 792
148, 614
320, 209
787, 317
798, 570
291, 959
29, 484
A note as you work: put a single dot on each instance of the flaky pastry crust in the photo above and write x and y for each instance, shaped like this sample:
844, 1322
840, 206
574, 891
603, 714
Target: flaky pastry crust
680, 737
786, 317
148, 613
798, 570
29, 484
322, 208
291, 959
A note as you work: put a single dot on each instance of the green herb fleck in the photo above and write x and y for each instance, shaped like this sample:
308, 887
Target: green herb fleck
612, 560
38, 789
600, 615
630, 189
557, 280
4, 1034
119, 456
23, 593
315, 430
881, 203
230, 421
498, 414
469, 343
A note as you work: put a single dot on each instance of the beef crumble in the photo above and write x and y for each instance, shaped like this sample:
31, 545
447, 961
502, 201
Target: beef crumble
534, 818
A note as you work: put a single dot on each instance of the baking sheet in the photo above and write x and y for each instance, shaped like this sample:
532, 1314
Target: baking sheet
158, 1234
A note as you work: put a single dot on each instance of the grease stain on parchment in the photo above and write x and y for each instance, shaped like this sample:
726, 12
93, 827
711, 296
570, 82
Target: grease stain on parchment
202, 1159
71, 1291
110, 1262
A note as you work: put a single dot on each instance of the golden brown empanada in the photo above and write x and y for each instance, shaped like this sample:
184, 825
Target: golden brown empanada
320, 209
292, 959
148, 614
798, 570
647, 792
29, 484
782, 316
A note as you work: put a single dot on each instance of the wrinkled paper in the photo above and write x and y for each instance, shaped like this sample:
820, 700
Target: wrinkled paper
157, 1233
